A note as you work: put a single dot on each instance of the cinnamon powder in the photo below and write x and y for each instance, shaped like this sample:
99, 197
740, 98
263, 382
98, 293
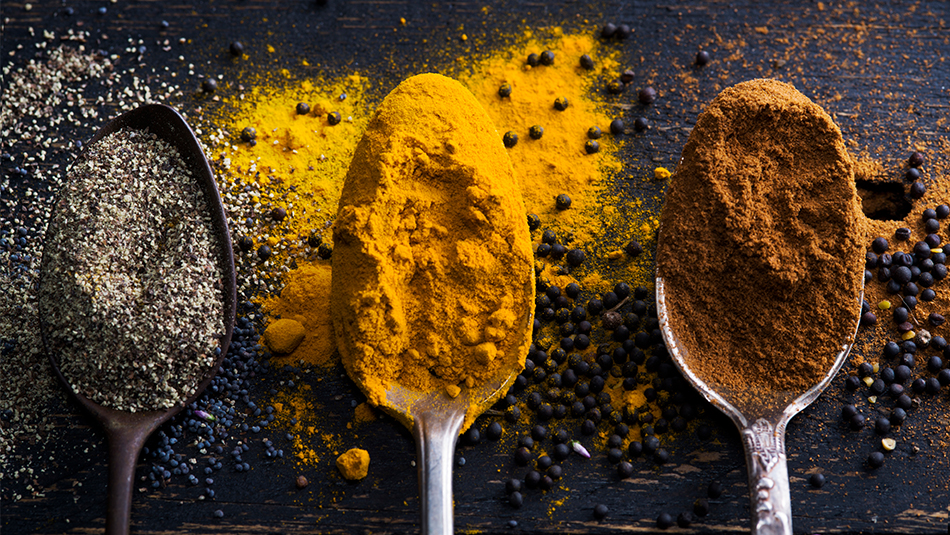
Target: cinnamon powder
761, 243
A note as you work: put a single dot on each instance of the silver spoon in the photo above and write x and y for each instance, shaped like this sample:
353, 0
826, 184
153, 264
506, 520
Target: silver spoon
126, 432
762, 425
436, 421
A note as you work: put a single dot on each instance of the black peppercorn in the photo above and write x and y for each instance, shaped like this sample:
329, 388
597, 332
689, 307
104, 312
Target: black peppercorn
647, 95
600, 511
536, 131
608, 30
245, 243
562, 201
264, 252
917, 190
547, 58
209, 85
817, 480
875, 460
236, 48
591, 146
586, 62
702, 58
615, 87
916, 159
560, 103
532, 478
616, 127
324, 251
664, 521
533, 60
334, 118
510, 139
248, 134
534, 222
303, 108
505, 90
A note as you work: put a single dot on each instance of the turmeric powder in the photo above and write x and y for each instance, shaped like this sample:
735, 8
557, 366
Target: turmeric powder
433, 283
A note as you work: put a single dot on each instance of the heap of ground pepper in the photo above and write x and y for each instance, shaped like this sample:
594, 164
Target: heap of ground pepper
761, 242
433, 282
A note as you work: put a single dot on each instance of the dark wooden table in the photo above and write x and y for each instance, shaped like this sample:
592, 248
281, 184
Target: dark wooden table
879, 68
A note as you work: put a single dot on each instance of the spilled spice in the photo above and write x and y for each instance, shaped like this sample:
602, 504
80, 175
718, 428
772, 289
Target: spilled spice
761, 242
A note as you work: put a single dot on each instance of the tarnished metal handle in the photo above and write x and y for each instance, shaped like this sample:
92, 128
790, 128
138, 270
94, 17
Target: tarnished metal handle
435, 436
768, 478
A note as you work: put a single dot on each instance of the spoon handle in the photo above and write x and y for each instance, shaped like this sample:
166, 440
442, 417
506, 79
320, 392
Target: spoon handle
436, 435
768, 478
125, 443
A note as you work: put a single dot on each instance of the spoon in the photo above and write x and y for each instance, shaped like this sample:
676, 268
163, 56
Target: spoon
125, 431
761, 423
436, 421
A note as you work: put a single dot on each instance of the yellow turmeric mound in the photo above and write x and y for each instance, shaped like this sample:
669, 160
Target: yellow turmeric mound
432, 280
284, 335
354, 464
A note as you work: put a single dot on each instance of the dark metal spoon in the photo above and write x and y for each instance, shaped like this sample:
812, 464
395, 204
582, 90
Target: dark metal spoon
126, 432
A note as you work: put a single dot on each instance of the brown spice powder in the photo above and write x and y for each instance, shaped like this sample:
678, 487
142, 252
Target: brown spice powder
761, 243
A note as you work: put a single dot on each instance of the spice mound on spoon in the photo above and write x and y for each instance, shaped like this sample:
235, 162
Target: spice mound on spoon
432, 287
136, 292
760, 269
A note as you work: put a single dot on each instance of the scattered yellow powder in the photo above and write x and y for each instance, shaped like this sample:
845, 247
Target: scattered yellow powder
298, 161
306, 297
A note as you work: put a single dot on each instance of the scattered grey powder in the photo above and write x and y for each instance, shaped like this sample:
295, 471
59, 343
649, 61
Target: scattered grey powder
131, 286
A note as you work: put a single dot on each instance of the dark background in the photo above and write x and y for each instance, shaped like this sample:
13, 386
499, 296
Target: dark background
879, 68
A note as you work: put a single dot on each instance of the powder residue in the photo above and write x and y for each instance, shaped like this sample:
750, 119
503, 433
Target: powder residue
761, 242
295, 162
306, 299
432, 268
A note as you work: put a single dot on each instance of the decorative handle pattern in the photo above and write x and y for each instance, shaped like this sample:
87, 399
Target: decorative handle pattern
768, 478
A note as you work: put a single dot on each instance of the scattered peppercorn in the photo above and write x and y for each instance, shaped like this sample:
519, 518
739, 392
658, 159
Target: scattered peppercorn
334, 118
547, 58
616, 127
591, 146
536, 131
875, 460
533, 60
615, 87
237, 48
560, 103
647, 95
303, 108
586, 62
264, 252
600, 511
594, 132
248, 134
640, 124
209, 85
510, 139
505, 90
916, 159
664, 521
816, 480
562, 201
534, 222
702, 58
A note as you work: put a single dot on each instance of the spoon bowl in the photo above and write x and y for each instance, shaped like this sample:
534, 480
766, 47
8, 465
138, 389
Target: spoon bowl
761, 423
126, 432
